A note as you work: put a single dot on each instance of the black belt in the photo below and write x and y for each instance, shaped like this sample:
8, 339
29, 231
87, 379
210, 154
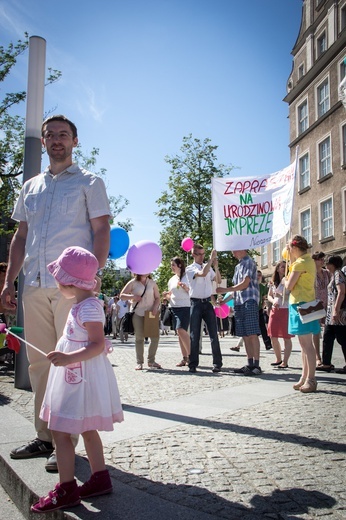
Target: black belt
200, 299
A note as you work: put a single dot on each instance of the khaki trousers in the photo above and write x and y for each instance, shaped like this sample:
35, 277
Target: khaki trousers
45, 315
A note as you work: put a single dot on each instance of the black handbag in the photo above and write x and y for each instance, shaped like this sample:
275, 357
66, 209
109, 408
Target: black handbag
167, 318
127, 321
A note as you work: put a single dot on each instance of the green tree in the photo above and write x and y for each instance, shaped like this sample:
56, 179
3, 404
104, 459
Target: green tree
186, 208
12, 133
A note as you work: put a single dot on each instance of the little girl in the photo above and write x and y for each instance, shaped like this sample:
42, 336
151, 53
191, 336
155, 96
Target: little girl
82, 393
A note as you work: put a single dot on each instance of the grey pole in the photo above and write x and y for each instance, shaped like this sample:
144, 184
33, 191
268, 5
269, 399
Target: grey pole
32, 166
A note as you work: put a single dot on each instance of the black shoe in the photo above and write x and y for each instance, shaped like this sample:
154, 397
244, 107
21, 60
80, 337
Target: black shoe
340, 370
216, 369
51, 465
246, 371
192, 370
276, 364
35, 448
268, 347
256, 371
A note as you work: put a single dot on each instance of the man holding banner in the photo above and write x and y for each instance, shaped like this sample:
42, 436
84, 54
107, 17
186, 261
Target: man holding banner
246, 299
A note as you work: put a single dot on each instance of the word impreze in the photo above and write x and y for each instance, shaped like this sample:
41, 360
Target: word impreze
249, 225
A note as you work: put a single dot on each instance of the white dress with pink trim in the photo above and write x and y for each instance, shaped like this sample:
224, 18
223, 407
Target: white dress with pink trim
83, 396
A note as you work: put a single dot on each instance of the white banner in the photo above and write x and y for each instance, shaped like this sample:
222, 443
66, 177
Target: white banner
250, 212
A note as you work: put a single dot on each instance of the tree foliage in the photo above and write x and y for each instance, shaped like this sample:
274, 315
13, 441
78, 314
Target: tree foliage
186, 208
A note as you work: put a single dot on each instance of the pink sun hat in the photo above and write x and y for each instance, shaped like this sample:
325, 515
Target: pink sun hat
75, 266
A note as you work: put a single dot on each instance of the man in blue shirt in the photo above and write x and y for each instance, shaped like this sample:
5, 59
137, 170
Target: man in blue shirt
246, 300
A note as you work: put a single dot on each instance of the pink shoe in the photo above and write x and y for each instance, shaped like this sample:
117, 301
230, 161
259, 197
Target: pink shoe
63, 495
99, 484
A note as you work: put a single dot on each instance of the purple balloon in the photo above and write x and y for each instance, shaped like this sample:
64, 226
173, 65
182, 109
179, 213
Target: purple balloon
143, 257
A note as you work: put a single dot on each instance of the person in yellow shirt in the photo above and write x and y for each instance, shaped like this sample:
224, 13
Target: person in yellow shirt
301, 284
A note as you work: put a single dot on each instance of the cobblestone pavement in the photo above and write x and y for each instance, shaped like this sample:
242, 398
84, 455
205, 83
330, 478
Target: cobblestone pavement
282, 458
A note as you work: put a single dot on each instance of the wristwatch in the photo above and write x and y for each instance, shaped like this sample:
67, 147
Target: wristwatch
99, 272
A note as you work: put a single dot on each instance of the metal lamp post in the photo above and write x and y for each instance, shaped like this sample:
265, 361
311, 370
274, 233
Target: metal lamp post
32, 165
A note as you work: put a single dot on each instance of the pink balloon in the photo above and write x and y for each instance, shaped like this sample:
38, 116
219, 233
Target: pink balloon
143, 257
187, 244
221, 311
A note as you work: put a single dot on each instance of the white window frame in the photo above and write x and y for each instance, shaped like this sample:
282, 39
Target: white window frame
342, 17
305, 119
342, 67
320, 216
276, 253
307, 171
307, 236
343, 144
323, 97
319, 144
301, 71
343, 204
321, 39
264, 256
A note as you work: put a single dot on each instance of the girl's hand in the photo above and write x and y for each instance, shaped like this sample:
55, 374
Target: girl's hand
276, 303
59, 359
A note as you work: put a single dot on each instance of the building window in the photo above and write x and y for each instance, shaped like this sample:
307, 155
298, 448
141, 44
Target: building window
301, 71
343, 17
323, 98
326, 219
342, 70
304, 172
321, 44
303, 121
276, 251
264, 256
343, 144
324, 158
343, 199
305, 225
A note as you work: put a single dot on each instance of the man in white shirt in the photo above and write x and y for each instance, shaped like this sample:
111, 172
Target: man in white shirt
200, 276
60, 207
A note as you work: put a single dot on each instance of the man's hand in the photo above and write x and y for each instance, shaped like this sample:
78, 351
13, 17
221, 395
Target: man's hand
8, 297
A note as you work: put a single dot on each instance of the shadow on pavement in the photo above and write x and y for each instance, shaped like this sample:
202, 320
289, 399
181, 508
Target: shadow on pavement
312, 442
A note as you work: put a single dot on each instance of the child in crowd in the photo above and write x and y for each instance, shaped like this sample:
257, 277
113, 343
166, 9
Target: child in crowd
82, 393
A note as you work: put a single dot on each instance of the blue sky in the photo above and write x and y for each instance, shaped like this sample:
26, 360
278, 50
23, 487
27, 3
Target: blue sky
139, 75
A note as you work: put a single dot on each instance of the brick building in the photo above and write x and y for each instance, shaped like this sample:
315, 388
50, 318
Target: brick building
318, 127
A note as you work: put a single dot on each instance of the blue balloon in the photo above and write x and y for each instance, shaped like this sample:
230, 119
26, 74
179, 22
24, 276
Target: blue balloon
119, 243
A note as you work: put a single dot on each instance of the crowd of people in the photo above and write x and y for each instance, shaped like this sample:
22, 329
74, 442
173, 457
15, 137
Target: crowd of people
62, 244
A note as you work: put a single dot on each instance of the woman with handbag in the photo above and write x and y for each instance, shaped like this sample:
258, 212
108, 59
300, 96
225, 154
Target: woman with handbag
301, 284
278, 318
143, 293
178, 296
335, 327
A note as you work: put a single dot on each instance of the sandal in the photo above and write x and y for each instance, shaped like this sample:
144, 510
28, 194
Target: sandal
182, 363
154, 365
325, 368
139, 367
276, 363
236, 349
282, 366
